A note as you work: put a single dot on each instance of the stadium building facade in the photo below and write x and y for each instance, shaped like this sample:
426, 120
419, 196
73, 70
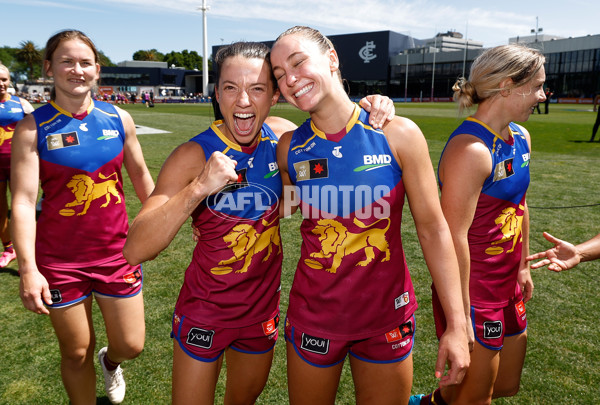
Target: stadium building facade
394, 64
405, 68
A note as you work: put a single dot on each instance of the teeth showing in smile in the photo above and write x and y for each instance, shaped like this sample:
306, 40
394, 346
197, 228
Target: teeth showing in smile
243, 116
303, 90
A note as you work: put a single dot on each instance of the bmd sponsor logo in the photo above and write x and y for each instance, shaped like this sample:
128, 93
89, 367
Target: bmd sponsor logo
108, 134
371, 162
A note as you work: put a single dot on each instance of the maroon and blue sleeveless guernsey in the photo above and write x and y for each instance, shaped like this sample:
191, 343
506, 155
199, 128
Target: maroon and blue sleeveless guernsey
495, 240
352, 281
235, 273
83, 219
11, 112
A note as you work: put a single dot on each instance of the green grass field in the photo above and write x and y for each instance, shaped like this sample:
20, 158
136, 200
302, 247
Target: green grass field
563, 360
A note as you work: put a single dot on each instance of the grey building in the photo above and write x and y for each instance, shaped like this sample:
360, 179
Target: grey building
397, 65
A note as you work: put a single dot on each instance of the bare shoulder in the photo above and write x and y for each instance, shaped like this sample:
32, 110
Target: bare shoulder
402, 128
284, 141
466, 146
26, 124
184, 163
188, 153
466, 154
27, 107
123, 114
404, 134
280, 125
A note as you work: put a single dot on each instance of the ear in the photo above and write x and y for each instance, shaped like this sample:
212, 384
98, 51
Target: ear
506, 86
47, 70
275, 97
334, 60
216, 93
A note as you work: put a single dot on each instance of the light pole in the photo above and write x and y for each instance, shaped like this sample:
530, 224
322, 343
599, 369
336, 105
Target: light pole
406, 79
433, 70
536, 29
466, 48
204, 9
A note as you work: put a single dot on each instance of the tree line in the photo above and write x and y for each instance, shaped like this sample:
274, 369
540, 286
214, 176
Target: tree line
25, 62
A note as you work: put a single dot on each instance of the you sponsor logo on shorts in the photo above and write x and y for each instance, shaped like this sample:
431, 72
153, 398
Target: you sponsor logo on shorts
200, 338
314, 344
55, 296
492, 330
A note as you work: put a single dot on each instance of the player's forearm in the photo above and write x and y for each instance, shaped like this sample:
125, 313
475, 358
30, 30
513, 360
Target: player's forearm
443, 267
589, 250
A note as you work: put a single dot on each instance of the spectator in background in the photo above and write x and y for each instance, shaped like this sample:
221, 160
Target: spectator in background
548, 94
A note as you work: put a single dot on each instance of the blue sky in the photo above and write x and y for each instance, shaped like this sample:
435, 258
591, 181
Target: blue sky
121, 27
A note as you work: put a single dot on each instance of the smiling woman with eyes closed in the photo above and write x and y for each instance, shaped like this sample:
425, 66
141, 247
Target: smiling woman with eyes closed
352, 292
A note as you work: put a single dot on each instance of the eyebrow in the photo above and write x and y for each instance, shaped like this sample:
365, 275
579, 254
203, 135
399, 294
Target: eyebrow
251, 84
288, 59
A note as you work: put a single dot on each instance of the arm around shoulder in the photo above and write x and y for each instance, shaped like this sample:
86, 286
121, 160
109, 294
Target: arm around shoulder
280, 125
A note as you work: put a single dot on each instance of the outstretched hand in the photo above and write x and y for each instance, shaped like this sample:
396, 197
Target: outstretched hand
562, 256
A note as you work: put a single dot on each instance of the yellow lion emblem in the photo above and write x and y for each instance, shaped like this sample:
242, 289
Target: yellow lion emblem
511, 225
337, 242
6, 133
245, 243
86, 191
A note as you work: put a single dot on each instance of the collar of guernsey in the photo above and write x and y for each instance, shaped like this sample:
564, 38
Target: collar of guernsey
85, 144
352, 173
259, 184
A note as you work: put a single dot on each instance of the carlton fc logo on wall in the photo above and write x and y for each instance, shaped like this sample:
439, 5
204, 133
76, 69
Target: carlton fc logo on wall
366, 52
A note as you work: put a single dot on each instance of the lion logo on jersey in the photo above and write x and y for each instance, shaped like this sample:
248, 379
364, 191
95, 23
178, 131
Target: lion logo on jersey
337, 242
86, 191
246, 242
510, 225
6, 132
